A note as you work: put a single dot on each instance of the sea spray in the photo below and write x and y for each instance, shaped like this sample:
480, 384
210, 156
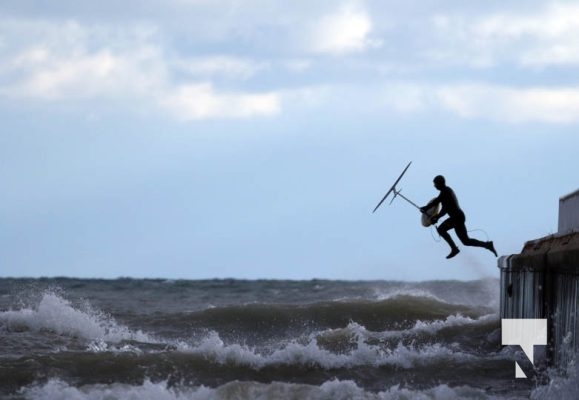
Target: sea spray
94, 339
329, 390
56, 314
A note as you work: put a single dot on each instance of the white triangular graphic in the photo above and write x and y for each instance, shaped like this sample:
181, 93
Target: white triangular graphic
525, 333
518, 371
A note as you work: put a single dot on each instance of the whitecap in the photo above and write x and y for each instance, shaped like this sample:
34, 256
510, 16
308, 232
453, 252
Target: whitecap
56, 314
380, 294
330, 390
311, 353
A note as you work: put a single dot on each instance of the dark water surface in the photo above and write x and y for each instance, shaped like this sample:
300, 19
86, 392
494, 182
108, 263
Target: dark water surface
230, 339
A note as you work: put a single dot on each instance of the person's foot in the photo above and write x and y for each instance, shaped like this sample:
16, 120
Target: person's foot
453, 252
491, 247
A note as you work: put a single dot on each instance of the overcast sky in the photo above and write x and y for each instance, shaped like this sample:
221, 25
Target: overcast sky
252, 139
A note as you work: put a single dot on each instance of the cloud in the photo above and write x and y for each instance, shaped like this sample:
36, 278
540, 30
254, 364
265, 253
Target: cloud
561, 54
486, 101
556, 20
143, 65
558, 106
102, 73
220, 65
58, 61
544, 37
297, 65
77, 62
200, 101
343, 32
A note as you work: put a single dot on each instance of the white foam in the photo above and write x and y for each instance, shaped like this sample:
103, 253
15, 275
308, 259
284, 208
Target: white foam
420, 327
440, 392
379, 294
330, 390
560, 387
57, 389
456, 320
56, 314
310, 353
485, 294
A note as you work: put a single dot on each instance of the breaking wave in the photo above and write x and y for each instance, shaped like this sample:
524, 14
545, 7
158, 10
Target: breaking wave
56, 314
312, 354
329, 390
341, 348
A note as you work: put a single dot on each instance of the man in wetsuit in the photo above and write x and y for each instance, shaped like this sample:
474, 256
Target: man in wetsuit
455, 220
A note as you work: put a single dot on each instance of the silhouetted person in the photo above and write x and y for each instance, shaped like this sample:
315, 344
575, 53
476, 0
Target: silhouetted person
455, 220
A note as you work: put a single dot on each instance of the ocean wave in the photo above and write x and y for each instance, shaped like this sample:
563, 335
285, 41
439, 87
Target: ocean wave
329, 390
398, 312
355, 345
481, 293
56, 314
350, 347
311, 354
454, 321
351, 344
380, 294
420, 328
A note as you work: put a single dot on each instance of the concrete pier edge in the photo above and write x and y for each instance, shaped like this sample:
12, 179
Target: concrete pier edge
542, 282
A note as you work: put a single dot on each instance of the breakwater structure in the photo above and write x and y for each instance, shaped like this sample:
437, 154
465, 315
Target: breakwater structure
542, 282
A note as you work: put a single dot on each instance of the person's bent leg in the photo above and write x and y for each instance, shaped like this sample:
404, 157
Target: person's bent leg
467, 241
443, 232
462, 234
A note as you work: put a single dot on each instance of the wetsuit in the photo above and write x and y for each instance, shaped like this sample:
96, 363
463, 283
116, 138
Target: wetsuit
456, 219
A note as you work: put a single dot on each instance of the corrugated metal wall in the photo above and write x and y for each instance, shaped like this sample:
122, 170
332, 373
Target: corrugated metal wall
522, 294
565, 322
543, 282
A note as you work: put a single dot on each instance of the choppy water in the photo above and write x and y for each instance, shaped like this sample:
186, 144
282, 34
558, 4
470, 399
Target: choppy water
230, 339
